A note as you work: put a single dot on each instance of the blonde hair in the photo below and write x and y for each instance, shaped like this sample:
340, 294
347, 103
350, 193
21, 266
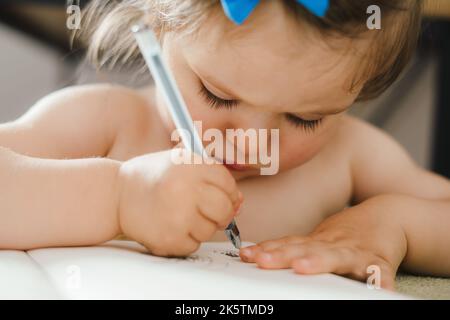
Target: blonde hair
106, 28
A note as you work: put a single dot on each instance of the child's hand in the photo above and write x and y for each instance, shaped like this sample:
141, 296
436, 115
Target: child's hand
346, 243
172, 208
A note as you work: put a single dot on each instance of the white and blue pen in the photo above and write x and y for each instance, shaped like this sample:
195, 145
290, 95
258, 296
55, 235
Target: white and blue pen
151, 51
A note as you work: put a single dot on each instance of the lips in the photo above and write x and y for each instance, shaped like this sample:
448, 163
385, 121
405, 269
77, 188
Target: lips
236, 166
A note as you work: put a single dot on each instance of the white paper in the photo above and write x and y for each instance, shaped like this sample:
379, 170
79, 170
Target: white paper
22, 278
124, 270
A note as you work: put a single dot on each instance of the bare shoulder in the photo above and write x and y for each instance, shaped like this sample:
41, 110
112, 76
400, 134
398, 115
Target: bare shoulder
92, 100
364, 139
380, 165
120, 108
87, 116
130, 114
91, 95
126, 107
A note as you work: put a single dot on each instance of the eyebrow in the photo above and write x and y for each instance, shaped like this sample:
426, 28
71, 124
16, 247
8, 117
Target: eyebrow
216, 84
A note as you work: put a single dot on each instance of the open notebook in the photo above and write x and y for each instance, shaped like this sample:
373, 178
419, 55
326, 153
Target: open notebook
124, 270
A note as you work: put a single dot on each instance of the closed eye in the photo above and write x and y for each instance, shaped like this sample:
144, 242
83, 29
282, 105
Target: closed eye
307, 125
216, 102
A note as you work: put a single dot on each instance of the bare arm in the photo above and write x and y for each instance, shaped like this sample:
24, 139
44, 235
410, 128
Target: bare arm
425, 224
45, 202
390, 182
401, 219
47, 199
381, 166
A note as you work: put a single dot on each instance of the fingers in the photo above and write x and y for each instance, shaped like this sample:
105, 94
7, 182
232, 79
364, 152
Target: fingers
215, 206
326, 260
282, 257
347, 262
273, 244
176, 248
215, 174
189, 245
306, 256
221, 178
248, 254
202, 228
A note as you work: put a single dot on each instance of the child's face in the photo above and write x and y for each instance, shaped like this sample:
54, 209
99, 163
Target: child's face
275, 75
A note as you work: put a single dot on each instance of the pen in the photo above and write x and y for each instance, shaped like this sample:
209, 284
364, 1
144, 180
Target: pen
151, 51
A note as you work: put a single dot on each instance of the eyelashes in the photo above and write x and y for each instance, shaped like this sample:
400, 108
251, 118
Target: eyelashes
216, 103
307, 125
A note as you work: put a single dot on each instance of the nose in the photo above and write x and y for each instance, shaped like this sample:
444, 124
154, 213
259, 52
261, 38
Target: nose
245, 118
251, 130
251, 120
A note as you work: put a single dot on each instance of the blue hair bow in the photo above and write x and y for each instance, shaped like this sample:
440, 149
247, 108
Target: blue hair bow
238, 10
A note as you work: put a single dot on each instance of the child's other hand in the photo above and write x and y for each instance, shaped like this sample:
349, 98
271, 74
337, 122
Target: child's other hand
172, 208
346, 244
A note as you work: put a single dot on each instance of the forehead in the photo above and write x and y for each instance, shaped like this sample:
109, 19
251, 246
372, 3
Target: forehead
272, 60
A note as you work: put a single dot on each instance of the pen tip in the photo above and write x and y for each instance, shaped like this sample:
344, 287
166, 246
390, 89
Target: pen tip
232, 233
237, 242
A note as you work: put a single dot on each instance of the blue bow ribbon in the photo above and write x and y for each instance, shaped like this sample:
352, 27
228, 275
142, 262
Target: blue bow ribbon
238, 10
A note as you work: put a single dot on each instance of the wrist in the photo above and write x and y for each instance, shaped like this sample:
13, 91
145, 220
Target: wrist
425, 225
388, 212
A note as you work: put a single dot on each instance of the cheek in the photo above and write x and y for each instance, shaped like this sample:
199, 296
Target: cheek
196, 105
296, 153
201, 111
188, 84
297, 148
197, 108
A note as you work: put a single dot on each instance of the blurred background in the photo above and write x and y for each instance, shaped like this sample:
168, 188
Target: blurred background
36, 59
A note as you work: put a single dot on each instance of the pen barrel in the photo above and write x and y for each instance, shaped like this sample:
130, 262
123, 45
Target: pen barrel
165, 81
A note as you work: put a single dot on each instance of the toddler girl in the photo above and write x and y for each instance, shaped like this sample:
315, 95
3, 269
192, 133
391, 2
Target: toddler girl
88, 163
